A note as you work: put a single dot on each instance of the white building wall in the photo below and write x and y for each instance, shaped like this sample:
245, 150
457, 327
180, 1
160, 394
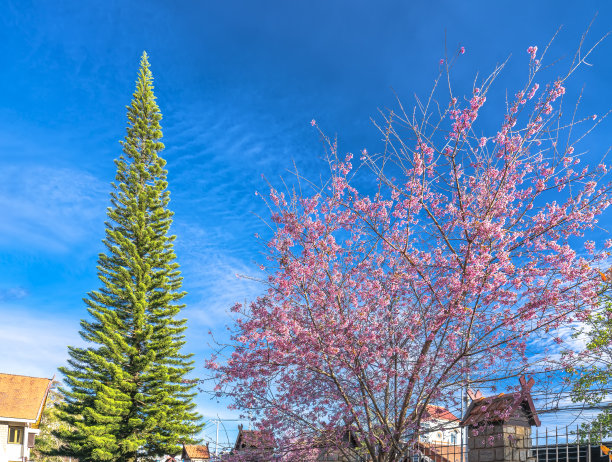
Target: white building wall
13, 452
440, 431
25, 451
3, 443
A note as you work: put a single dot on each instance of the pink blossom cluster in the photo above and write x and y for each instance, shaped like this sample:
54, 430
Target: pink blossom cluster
381, 300
463, 119
532, 50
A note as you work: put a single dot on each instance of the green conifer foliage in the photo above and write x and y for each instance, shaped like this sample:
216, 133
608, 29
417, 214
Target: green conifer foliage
46, 445
126, 396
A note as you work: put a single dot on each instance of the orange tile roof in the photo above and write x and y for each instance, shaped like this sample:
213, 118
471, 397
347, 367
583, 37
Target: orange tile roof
195, 451
439, 412
22, 397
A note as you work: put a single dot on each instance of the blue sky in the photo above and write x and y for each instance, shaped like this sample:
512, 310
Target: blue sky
238, 83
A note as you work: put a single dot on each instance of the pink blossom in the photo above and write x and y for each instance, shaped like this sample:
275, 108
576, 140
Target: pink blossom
532, 50
373, 283
589, 246
313, 122
462, 50
532, 91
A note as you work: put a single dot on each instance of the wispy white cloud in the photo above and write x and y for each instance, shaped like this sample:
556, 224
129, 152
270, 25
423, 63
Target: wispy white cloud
12, 293
33, 343
215, 278
47, 208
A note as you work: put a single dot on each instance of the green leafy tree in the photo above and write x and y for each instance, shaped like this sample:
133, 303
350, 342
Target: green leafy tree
47, 445
591, 371
127, 396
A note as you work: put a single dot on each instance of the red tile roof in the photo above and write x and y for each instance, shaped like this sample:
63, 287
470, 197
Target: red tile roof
22, 397
438, 412
196, 451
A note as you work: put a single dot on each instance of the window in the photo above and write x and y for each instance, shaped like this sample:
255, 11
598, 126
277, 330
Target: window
15, 435
453, 438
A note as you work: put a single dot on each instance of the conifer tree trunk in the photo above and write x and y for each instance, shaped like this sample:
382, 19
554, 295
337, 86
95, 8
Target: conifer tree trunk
127, 397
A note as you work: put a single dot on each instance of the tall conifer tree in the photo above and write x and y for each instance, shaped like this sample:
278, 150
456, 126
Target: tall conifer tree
126, 394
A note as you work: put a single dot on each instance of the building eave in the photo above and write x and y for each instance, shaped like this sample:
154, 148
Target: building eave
13, 419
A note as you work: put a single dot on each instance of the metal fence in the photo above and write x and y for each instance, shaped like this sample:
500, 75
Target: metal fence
568, 445
563, 444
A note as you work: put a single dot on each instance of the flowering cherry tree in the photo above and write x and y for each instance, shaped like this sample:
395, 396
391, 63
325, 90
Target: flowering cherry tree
382, 300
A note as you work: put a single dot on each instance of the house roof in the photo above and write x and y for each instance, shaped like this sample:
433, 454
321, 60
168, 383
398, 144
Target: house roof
502, 407
438, 412
440, 452
254, 439
22, 397
196, 451
331, 438
432, 412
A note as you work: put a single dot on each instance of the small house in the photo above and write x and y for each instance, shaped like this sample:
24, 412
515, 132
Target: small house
195, 453
439, 426
499, 427
254, 445
439, 438
330, 449
22, 400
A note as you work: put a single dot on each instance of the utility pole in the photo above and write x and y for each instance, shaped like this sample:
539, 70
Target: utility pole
217, 440
218, 421
463, 393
